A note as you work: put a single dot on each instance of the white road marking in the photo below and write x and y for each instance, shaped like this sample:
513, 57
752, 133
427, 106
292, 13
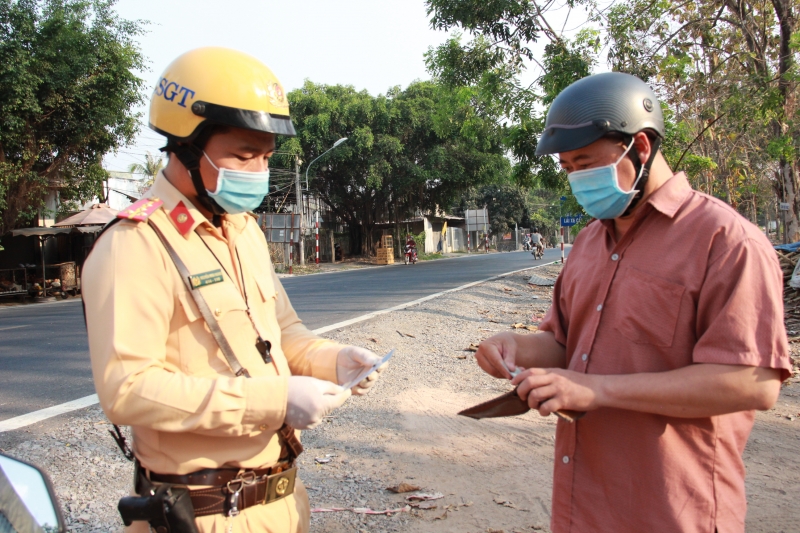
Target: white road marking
87, 401
43, 414
361, 318
12, 327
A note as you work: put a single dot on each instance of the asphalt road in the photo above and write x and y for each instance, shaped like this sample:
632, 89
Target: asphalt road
44, 358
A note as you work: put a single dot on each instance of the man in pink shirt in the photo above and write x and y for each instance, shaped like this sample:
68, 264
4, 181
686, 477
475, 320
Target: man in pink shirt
669, 354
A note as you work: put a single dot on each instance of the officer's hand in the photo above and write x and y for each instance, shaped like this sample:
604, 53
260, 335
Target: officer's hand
497, 355
351, 362
310, 400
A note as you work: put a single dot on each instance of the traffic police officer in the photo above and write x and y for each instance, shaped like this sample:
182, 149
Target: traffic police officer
217, 421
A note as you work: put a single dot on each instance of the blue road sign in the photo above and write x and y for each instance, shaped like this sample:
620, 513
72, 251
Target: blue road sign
570, 220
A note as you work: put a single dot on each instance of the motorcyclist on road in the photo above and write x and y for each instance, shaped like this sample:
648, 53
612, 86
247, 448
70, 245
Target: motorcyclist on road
411, 246
536, 239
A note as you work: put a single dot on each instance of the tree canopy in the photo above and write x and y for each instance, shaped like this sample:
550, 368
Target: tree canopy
726, 72
413, 149
66, 92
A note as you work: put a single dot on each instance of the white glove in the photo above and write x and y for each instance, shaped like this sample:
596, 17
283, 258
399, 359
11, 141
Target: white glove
310, 400
351, 362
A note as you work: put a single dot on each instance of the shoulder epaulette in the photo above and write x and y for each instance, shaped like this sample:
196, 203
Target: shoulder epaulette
141, 210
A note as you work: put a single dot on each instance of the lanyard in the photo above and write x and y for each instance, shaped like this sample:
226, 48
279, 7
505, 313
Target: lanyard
264, 347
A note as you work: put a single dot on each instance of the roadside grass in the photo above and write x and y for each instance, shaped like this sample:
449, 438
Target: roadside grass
430, 257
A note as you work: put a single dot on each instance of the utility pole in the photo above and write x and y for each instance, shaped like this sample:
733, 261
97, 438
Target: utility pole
299, 208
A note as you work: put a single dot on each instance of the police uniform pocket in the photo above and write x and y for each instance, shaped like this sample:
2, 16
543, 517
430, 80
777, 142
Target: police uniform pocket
199, 352
649, 308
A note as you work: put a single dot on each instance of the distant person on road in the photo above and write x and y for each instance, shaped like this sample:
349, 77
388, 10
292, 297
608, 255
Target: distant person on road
536, 240
411, 243
193, 341
669, 354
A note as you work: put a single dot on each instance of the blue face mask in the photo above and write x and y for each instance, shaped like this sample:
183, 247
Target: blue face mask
239, 191
598, 191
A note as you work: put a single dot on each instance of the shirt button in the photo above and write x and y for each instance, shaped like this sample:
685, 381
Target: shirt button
584, 357
614, 257
217, 312
565, 459
600, 307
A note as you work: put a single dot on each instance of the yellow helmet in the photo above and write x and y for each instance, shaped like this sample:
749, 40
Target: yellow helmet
218, 86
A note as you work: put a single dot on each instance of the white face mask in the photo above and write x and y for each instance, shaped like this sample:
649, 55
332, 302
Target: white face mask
239, 191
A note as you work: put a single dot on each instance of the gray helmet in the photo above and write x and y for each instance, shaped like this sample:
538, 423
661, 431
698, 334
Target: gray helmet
596, 105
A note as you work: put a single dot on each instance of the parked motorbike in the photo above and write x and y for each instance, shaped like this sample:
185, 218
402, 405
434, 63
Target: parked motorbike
28, 502
410, 255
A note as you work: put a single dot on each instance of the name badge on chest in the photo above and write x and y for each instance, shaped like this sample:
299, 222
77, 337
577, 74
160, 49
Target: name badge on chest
206, 278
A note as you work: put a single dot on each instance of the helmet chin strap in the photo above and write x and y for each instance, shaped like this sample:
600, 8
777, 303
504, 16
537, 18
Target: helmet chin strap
190, 156
644, 170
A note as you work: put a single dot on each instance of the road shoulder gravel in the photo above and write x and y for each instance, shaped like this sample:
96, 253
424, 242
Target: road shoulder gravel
493, 475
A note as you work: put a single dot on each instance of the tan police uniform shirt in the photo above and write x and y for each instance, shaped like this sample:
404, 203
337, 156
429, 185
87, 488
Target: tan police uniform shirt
157, 367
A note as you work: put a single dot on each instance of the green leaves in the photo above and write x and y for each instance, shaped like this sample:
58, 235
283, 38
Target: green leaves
66, 94
414, 149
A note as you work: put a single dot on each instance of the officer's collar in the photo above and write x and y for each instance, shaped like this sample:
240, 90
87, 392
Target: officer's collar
183, 214
176, 205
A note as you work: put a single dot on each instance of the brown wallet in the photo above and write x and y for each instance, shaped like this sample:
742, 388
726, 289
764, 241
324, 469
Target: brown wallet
510, 404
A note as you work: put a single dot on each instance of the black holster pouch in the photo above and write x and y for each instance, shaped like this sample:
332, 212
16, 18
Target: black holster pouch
169, 510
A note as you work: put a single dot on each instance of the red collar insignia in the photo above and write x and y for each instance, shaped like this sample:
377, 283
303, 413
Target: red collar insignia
182, 219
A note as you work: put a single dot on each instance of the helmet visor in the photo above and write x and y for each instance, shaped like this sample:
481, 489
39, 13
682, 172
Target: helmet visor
559, 138
243, 118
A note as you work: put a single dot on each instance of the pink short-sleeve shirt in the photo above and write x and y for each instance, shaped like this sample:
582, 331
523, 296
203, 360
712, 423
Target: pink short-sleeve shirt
691, 282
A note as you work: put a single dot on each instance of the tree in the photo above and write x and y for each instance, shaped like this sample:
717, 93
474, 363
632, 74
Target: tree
507, 205
66, 95
410, 150
728, 71
150, 169
491, 63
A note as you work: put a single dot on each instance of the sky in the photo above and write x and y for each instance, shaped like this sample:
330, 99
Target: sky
370, 44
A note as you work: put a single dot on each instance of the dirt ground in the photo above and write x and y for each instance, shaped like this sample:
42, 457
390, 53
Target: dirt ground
493, 475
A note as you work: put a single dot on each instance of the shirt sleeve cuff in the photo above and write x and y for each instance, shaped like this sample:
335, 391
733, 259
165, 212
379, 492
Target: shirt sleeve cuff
266, 401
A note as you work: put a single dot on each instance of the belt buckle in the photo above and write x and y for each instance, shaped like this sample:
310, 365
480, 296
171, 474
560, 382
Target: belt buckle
279, 485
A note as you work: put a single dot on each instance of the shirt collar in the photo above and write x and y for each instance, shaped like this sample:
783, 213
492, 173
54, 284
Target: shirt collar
167, 193
668, 198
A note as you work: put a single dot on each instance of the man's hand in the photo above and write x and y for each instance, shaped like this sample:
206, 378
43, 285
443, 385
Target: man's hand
502, 354
554, 389
310, 400
351, 362
497, 355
